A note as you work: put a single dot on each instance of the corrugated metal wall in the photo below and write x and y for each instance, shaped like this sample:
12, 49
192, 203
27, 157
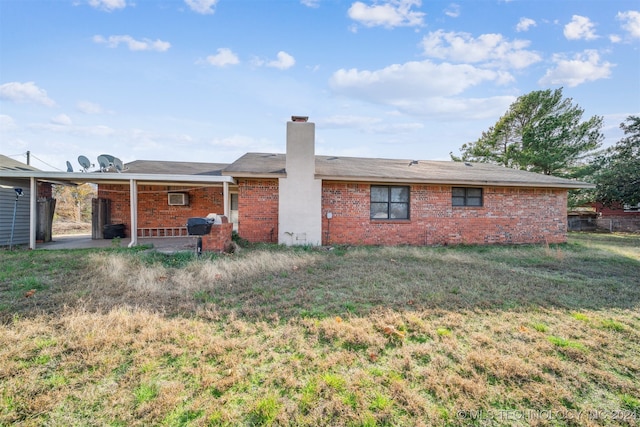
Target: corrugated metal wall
7, 203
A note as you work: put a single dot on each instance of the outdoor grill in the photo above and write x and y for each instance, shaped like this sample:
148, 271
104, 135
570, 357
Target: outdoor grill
199, 226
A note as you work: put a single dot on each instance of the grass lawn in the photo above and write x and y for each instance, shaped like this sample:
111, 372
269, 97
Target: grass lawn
403, 336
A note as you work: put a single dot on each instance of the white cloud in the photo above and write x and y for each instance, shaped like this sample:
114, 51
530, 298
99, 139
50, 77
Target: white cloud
390, 13
310, 3
204, 7
453, 11
89, 107
614, 38
62, 120
283, 62
223, 58
368, 124
25, 93
237, 145
583, 67
7, 123
82, 131
453, 108
524, 24
133, 44
630, 22
108, 5
393, 84
580, 28
488, 49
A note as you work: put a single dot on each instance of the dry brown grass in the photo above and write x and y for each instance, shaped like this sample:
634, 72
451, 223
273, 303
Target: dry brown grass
370, 336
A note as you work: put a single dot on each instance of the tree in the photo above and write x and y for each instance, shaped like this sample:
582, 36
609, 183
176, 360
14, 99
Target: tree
617, 170
540, 132
74, 203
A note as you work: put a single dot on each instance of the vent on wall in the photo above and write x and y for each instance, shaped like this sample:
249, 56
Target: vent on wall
178, 199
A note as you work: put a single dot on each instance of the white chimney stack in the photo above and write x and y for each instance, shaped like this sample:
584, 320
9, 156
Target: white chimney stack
300, 193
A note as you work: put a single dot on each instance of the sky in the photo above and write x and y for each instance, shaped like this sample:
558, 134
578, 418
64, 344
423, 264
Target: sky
210, 80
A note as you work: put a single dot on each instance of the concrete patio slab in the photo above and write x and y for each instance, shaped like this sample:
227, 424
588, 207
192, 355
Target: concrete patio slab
84, 241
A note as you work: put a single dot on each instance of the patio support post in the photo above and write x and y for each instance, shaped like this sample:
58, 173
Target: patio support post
225, 197
133, 201
33, 210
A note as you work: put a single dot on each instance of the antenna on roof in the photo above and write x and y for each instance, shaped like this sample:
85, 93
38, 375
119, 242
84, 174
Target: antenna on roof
103, 162
109, 163
84, 162
117, 163
69, 167
109, 157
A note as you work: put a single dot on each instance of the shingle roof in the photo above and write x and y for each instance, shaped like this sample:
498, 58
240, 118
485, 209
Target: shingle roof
174, 168
8, 164
398, 170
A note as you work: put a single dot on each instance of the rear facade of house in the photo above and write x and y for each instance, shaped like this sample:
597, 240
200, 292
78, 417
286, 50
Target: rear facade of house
299, 198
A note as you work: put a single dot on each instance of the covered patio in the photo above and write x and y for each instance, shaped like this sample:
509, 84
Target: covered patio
134, 181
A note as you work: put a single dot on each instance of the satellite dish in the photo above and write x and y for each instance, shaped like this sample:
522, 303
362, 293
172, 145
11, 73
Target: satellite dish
84, 162
109, 157
69, 167
118, 164
103, 162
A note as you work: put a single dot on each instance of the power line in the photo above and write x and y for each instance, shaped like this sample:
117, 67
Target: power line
42, 161
17, 155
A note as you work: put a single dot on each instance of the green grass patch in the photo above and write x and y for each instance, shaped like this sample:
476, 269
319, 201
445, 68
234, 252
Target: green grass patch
145, 393
612, 325
540, 327
565, 343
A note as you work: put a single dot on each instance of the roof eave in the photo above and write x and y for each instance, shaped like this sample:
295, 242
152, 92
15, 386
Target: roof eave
117, 178
254, 175
476, 183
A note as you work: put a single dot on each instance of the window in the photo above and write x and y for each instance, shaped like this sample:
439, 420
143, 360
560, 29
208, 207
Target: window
389, 202
465, 196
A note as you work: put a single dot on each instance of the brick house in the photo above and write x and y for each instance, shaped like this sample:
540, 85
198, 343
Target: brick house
299, 198
343, 200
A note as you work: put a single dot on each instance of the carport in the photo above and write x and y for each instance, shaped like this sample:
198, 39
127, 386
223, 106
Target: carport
133, 179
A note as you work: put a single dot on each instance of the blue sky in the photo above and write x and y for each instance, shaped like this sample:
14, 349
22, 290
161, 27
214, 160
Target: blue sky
209, 80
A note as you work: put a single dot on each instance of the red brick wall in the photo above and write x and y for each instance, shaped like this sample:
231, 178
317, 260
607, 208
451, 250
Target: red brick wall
45, 190
509, 215
258, 209
153, 208
219, 240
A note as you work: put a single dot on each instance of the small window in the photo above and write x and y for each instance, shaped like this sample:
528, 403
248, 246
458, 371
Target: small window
389, 202
466, 196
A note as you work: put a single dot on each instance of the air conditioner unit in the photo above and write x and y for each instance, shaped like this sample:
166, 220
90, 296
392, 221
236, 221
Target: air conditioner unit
178, 199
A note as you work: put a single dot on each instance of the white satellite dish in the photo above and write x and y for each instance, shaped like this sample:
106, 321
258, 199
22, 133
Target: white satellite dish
117, 163
84, 162
109, 157
103, 162
69, 167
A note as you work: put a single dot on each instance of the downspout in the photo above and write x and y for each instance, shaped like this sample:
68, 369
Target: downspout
133, 202
225, 197
33, 198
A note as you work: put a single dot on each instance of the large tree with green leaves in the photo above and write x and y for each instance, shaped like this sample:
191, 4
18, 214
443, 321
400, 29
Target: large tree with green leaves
540, 132
617, 171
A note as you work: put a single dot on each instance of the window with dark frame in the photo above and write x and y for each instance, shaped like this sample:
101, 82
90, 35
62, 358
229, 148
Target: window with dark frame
389, 202
466, 196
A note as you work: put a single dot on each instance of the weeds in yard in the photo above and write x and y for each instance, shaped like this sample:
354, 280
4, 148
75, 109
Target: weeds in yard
277, 336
